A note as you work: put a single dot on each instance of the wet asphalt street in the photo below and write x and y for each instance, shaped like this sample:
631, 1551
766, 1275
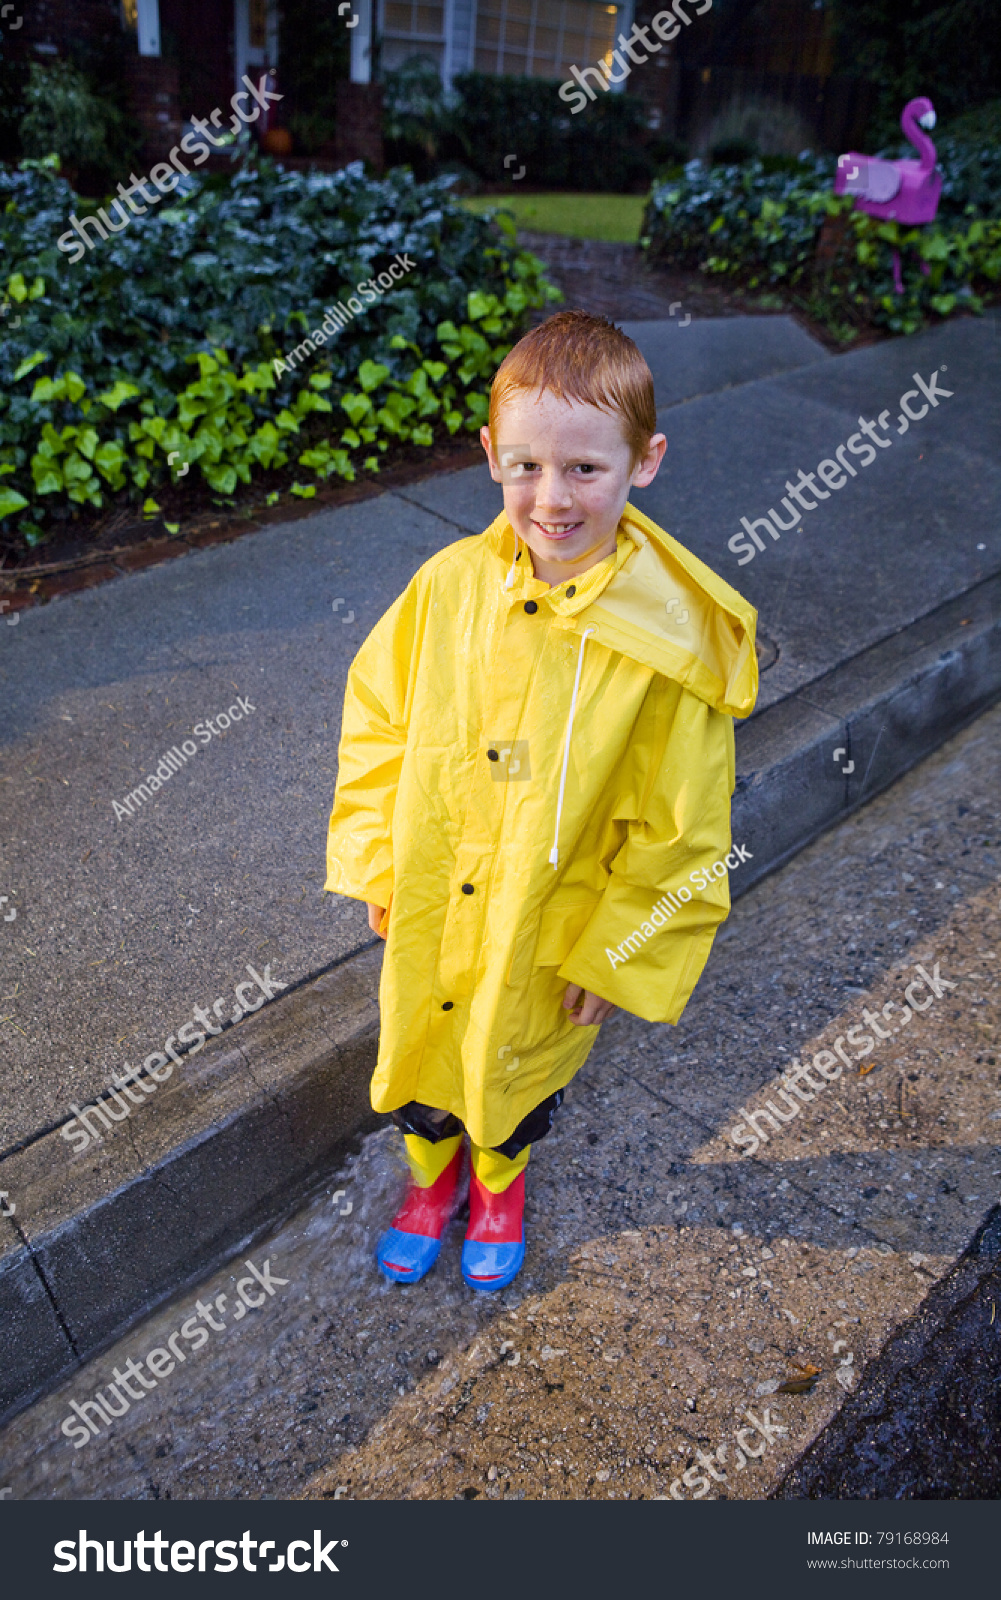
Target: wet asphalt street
693, 1314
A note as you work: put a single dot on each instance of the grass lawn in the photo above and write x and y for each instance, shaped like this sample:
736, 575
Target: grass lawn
614, 217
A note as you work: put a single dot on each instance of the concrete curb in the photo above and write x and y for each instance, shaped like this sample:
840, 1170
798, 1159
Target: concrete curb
218, 1153
227, 1147
883, 710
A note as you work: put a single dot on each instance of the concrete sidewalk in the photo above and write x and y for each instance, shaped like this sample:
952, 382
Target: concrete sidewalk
672, 1280
883, 637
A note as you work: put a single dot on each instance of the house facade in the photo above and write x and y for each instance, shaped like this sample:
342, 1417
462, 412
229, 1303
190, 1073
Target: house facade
731, 69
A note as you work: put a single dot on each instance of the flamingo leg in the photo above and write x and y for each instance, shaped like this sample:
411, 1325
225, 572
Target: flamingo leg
898, 282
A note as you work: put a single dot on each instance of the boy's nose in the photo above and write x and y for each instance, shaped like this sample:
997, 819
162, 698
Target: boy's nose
553, 493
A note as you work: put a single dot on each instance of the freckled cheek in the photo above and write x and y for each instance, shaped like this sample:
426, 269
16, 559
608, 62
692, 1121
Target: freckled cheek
519, 500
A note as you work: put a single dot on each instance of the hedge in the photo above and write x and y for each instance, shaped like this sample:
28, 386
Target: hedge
97, 386
761, 223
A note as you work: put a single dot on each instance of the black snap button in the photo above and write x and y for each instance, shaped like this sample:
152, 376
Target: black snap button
571, 591
493, 755
531, 607
447, 1005
467, 888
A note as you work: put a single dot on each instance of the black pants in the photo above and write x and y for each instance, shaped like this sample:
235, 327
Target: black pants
432, 1125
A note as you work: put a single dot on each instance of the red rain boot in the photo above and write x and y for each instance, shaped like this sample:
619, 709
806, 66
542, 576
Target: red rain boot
494, 1250
410, 1246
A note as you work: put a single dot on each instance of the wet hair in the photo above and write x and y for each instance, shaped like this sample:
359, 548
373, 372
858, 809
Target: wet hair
584, 358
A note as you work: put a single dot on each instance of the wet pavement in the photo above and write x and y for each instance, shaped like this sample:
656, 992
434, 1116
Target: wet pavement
693, 1313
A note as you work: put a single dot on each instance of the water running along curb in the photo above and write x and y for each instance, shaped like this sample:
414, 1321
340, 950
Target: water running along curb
235, 1141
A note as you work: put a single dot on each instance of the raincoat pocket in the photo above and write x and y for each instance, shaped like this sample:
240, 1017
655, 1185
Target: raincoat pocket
561, 925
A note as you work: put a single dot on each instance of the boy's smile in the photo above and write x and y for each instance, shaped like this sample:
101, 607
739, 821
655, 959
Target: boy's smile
567, 470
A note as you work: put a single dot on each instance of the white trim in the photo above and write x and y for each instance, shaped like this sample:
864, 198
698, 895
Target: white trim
247, 58
148, 27
627, 11
361, 43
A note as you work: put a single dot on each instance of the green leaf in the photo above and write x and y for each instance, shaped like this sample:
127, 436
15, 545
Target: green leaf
172, 527
11, 501
480, 305
356, 406
150, 508
17, 288
273, 498
370, 375
48, 389
305, 491
76, 469
37, 289
29, 363
222, 479
118, 394
189, 409
422, 434
399, 406
321, 380
47, 476
109, 460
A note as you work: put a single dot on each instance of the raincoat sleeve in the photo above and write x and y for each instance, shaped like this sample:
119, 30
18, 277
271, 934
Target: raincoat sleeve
641, 950
370, 756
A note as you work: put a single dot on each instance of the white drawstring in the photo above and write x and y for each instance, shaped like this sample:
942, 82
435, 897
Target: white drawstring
554, 854
508, 581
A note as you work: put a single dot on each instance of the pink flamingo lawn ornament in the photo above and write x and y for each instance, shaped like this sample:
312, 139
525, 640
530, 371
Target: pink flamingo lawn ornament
897, 191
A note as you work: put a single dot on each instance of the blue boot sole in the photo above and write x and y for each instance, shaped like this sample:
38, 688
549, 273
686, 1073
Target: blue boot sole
491, 1266
406, 1257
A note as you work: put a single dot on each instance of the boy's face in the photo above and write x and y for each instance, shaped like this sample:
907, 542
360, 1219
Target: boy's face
567, 471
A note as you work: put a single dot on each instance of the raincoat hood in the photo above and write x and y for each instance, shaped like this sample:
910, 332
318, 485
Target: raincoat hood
656, 603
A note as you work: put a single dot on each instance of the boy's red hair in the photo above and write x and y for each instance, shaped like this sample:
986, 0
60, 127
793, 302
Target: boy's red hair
580, 357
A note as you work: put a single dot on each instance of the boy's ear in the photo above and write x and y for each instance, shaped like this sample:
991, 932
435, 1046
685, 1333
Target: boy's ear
649, 464
488, 446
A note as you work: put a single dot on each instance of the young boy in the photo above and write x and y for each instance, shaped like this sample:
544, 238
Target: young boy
536, 758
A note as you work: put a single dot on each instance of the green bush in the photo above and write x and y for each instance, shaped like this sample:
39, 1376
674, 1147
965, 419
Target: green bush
606, 148
64, 116
602, 148
760, 223
96, 380
749, 218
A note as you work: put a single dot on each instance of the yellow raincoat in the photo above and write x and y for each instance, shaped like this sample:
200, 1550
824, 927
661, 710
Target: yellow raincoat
523, 772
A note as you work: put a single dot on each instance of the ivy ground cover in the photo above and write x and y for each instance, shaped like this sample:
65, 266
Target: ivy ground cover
157, 352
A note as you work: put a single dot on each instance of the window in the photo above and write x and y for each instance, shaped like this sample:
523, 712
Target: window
543, 38
411, 28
